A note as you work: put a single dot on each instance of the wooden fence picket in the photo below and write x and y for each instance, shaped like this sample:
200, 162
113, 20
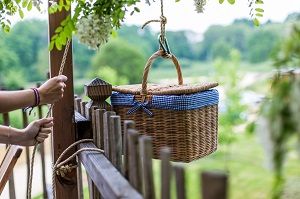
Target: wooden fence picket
128, 124
214, 185
180, 181
134, 160
25, 124
100, 128
147, 168
165, 154
11, 182
107, 133
116, 141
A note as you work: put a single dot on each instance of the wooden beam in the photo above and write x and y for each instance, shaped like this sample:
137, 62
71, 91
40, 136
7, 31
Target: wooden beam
109, 181
63, 111
214, 185
11, 182
8, 163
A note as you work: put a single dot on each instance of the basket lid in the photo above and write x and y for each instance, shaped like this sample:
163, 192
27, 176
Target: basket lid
158, 89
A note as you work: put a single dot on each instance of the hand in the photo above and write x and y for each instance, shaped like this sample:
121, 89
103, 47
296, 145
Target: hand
36, 131
52, 90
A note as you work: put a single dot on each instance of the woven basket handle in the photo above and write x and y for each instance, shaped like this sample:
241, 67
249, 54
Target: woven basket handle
149, 63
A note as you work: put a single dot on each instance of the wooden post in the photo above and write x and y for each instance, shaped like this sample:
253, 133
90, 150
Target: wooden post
99, 128
165, 154
11, 182
128, 124
214, 185
42, 151
180, 181
116, 141
63, 111
134, 160
25, 124
146, 156
107, 133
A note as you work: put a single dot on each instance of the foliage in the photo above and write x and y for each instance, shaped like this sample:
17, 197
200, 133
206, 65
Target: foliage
282, 108
282, 112
14, 79
113, 11
289, 54
261, 49
110, 75
126, 60
256, 11
227, 75
12, 7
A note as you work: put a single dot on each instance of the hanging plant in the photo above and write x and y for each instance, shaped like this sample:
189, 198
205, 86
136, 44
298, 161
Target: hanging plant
99, 17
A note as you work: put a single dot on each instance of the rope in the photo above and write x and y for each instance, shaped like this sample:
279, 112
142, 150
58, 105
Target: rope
61, 69
58, 162
162, 21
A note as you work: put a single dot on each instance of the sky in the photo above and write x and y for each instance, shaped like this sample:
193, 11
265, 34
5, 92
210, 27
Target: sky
182, 15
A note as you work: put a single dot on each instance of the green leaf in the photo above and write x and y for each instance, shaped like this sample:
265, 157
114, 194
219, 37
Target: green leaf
24, 3
137, 9
6, 28
58, 44
54, 37
29, 6
51, 45
259, 2
259, 15
21, 13
231, 1
221, 1
259, 10
114, 34
256, 22
59, 29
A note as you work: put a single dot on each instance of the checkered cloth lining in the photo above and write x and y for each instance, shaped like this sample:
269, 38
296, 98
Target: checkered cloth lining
170, 102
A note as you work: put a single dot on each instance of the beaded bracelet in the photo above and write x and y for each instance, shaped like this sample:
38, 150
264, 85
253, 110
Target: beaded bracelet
36, 96
37, 100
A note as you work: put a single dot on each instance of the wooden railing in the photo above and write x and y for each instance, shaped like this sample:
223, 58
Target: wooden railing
125, 170
25, 120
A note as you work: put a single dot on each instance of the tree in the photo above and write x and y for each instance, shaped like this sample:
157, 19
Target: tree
260, 45
122, 57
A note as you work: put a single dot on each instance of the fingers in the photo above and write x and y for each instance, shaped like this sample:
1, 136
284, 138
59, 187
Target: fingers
40, 139
43, 134
48, 125
44, 121
45, 130
61, 78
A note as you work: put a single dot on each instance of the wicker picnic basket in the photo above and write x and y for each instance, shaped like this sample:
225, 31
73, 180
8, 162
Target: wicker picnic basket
183, 117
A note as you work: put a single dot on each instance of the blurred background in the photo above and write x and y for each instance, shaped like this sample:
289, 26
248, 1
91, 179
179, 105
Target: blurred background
259, 131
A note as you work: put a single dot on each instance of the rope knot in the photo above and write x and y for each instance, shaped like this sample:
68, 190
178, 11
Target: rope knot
163, 20
64, 169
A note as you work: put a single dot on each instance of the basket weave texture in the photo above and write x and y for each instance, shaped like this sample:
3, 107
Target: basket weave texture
187, 125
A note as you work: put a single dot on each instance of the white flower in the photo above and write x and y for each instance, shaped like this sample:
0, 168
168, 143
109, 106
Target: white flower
93, 30
199, 4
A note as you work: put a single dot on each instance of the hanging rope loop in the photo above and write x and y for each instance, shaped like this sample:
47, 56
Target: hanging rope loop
162, 40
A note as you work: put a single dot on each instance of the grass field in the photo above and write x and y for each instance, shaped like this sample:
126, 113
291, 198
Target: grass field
244, 162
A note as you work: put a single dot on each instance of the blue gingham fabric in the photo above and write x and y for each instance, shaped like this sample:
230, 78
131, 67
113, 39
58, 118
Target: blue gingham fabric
169, 102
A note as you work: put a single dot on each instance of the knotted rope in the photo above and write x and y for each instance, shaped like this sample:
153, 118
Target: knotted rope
162, 21
58, 164
61, 69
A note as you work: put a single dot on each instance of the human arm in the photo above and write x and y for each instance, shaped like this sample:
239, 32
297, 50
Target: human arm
35, 131
50, 92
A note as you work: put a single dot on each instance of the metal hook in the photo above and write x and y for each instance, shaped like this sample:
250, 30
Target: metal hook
164, 44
